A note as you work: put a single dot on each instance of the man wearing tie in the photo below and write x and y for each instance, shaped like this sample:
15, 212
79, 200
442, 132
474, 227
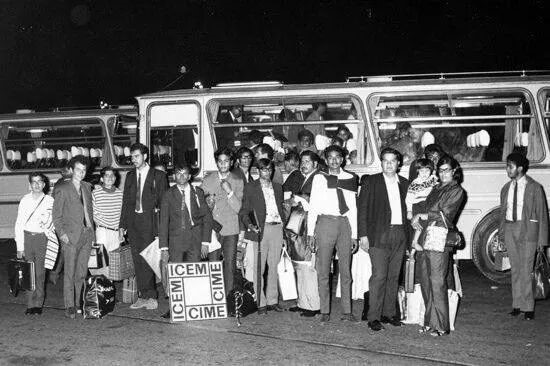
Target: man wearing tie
332, 218
143, 190
73, 220
185, 221
524, 228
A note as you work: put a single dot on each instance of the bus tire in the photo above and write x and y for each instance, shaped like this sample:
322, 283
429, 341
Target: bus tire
483, 248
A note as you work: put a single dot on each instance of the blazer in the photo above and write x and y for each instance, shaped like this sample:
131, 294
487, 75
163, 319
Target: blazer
170, 230
373, 207
226, 210
68, 210
305, 189
534, 216
153, 189
238, 172
294, 182
254, 201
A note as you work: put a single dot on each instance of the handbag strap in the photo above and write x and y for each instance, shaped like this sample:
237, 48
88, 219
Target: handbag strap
36, 208
444, 222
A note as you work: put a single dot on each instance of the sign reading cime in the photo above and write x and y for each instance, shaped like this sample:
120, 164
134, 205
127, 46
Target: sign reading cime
196, 291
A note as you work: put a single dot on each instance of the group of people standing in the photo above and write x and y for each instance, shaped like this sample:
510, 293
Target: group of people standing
384, 215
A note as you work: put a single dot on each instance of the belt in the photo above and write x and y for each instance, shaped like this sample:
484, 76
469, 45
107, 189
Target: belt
511, 222
398, 225
106, 228
335, 217
33, 233
273, 223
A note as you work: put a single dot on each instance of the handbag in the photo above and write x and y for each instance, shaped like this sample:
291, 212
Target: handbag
52, 249
436, 238
121, 263
98, 257
296, 220
541, 274
21, 276
287, 279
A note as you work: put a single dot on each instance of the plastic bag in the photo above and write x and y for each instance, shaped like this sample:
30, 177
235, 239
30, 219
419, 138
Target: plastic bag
541, 277
99, 297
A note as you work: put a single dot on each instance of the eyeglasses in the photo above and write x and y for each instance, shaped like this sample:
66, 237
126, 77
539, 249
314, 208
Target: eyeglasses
266, 169
445, 170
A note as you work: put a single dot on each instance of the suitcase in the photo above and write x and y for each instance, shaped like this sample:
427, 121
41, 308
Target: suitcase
409, 275
129, 290
21, 275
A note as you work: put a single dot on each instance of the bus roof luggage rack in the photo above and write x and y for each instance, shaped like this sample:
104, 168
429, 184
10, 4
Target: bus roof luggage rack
444, 75
250, 84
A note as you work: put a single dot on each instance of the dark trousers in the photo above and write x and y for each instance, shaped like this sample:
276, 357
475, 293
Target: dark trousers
186, 247
140, 234
386, 258
229, 250
333, 232
35, 251
434, 267
76, 267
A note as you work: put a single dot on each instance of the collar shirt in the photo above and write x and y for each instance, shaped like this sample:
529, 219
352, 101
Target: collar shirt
522, 182
141, 174
39, 222
271, 210
186, 192
324, 201
394, 197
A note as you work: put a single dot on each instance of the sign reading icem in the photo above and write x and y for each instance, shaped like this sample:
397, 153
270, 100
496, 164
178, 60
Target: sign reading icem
196, 291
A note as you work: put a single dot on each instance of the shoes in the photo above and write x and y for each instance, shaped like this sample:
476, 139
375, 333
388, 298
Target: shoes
529, 315
393, 321
515, 312
425, 329
29, 311
37, 311
70, 312
149, 304
438, 333
296, 309
325, 318
275, 307
309, 313
375, 325
166, 315
348, 318
262, 310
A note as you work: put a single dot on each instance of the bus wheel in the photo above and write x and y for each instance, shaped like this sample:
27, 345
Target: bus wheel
484, 247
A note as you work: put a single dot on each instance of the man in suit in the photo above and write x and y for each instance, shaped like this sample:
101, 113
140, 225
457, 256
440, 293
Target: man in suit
245, 157
185, 222
73, 220
332, 218
263, 199
382, 226
295, 178
524, 227
224, 194
232, 115
143, 190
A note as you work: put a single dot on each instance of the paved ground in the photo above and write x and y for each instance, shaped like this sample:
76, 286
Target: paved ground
485, 335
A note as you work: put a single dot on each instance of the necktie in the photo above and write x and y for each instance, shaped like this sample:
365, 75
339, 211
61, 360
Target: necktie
515, 203
138, 193
341, 201
87, 222
186, 218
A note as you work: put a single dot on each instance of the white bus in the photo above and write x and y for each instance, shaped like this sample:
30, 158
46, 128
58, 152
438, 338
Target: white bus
45, 141
479, 118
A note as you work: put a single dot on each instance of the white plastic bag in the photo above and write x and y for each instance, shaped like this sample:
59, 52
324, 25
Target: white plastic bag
287, 279
307, 284
416, 308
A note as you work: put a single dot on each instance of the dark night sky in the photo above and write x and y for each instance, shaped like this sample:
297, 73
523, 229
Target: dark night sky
68, 53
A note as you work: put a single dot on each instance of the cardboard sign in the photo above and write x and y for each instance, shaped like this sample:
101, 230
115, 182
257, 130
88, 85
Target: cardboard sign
196, 291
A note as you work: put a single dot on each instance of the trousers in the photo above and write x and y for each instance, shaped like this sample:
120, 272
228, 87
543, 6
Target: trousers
141, 235
434, 267
35, 251
271, 246
76, 267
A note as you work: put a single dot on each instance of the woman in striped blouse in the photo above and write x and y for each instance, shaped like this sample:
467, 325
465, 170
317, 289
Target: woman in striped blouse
107, 204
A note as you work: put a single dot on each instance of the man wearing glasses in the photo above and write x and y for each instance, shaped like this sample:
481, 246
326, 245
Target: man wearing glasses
245, 157
224, 194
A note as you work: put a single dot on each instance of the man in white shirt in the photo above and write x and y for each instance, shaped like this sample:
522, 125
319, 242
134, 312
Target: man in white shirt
382, 226
34, 217
332, 223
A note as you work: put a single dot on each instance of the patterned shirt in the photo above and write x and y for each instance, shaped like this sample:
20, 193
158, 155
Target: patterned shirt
107, 207
271, 210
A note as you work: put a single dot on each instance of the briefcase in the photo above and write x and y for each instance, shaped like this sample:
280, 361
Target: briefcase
409, 274
21, 275
121, 263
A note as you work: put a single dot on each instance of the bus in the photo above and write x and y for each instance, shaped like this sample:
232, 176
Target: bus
45, 141
479, 118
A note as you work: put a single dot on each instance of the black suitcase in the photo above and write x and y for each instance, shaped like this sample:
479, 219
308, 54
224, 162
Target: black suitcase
21, 275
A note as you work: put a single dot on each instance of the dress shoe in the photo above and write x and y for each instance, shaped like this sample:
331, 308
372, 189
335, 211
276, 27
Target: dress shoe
29, 311
375, 325
309, 313
515, 312
275, 307
166, 315
393, 321
262, 310
37, 311
70, 312
348, 318
529, 315
296, 309
438, 333
325, 318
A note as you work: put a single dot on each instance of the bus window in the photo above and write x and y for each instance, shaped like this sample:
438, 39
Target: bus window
124, 132
472, 127
50, 144
174, 135
545, 107
289, 123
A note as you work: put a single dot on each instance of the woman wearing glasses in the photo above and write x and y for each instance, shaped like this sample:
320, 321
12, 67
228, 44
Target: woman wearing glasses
442, 206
